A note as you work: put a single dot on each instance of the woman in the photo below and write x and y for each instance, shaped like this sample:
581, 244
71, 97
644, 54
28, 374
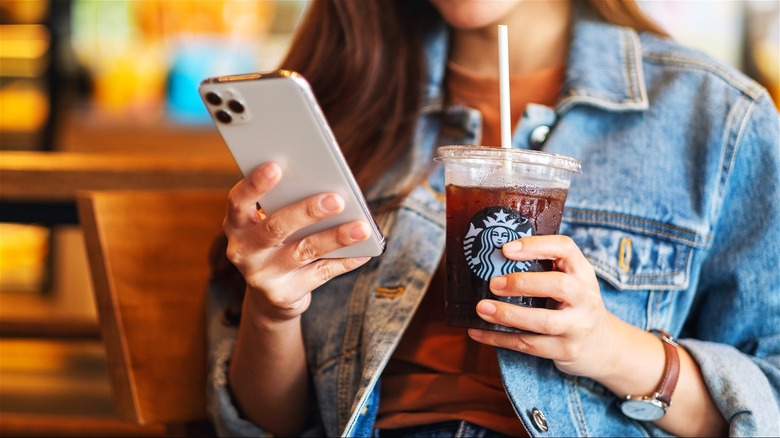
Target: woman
671, 226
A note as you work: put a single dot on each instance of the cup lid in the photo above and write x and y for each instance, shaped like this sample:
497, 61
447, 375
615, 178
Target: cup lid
526, 156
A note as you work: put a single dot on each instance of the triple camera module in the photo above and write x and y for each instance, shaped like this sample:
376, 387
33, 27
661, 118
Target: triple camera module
232, 109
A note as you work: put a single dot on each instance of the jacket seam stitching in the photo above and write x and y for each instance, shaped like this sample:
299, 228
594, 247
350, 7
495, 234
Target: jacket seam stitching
574, 399
348, 357
731, 79
654, 312
632, 65
649, 312
575, 97
683, 256
330, 361
423, 215
581, 211
627, 66
639, 63
730, 150
647, 226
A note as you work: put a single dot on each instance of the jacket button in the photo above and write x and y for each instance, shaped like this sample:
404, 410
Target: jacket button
539, 420
539, 136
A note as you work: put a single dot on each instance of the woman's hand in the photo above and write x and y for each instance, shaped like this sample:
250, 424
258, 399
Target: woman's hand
584, 339
573, 335
280, 276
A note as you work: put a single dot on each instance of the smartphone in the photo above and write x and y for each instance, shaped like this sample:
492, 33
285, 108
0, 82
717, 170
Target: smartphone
275, 117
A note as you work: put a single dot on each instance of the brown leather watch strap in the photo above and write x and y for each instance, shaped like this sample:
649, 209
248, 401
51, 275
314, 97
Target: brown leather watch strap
671, 368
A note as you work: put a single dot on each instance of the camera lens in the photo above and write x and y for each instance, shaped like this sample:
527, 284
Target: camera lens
223, 116
213, 98
236, 106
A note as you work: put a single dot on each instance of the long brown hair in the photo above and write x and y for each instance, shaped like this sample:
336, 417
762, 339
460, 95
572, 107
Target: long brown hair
364, 60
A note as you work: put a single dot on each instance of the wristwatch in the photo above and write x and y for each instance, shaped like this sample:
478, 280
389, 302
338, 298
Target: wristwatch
653, 407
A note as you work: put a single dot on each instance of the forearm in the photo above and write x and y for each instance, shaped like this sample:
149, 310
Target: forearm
268, 374
693, 412
637, 369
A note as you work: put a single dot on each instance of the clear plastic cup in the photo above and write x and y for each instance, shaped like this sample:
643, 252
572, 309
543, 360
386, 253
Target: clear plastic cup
496, 195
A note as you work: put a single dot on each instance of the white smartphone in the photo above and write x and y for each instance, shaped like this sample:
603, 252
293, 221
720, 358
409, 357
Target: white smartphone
275, 117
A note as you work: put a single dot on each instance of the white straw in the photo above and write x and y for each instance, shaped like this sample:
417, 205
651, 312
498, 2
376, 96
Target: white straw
503, 86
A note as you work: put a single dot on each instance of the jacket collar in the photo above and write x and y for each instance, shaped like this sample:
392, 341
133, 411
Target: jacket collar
604, 67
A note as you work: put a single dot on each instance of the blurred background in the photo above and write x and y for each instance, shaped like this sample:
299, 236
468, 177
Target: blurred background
119, 77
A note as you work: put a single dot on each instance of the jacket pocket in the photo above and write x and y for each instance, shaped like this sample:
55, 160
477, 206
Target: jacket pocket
632, 253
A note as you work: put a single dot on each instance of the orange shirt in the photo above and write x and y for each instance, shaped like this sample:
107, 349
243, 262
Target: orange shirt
438, 373
481, 93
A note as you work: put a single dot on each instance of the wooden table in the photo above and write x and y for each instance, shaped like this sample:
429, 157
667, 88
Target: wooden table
42, 186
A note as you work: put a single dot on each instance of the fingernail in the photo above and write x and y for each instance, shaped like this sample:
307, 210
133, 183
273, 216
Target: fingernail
358, 232
486, 308
270, 171
476, 333
513, 247
329, 203
361, 260
498, 283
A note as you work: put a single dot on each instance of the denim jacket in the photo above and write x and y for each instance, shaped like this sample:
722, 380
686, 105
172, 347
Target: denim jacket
677, 209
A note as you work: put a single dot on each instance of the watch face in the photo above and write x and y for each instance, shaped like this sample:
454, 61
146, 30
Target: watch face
643, 410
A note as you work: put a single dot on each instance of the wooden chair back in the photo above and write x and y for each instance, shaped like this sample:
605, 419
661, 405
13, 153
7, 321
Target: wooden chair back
148, 253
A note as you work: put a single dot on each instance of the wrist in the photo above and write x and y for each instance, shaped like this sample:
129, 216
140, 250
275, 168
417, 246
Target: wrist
265, 317
615, 360
634, 362
653, 406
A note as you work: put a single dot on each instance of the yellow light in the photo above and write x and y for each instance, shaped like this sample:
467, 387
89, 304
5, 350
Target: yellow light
23, 253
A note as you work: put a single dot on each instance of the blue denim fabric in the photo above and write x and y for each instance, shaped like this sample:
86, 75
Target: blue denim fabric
677, 210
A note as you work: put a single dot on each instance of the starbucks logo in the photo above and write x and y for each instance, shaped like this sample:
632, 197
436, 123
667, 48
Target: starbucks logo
488, 231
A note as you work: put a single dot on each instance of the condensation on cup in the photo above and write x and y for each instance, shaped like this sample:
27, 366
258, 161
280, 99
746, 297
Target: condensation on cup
494, 196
